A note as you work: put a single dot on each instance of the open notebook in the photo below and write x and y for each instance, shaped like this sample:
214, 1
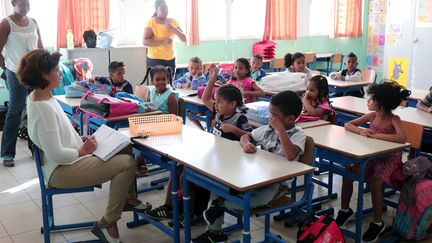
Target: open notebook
109, 142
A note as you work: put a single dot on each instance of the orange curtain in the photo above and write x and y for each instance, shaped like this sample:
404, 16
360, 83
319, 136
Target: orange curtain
192, 23
348, 18
280, 20
79, 16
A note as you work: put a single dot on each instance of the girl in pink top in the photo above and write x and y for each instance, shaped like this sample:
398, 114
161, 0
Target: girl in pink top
316, 100
242, 80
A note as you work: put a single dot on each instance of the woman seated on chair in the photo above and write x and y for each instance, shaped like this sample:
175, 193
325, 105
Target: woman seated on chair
68, 160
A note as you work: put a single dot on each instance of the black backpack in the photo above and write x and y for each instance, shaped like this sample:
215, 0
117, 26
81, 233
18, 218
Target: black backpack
90, 37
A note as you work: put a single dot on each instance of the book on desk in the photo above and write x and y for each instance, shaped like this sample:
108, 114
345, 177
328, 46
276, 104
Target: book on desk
109, 142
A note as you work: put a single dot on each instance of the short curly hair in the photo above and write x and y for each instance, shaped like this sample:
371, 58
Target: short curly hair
33, 64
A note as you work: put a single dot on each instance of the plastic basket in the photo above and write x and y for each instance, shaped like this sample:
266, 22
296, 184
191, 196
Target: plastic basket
155, 125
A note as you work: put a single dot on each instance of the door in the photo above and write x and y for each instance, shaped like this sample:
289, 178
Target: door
422, 48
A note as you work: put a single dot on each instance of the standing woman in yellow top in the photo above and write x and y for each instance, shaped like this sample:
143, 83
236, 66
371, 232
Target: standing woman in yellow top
158, 37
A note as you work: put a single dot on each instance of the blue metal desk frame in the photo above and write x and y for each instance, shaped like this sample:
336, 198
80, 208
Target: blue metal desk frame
190, 109
338, 167
243, 199
345, 91
70, 113
140, 218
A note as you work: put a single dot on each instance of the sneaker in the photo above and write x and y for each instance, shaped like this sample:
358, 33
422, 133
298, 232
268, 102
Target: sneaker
374, 231
343, 217
161, 212
193, 221
215, 211
210, 237
8, 161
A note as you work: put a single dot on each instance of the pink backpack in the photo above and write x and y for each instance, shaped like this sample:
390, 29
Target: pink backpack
325, 229
414, 222
202, 88
105, 106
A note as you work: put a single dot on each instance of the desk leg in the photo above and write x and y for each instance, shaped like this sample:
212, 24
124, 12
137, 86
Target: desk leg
174, 194
186, 209
208, 115
246, 216
81, 125
359, 213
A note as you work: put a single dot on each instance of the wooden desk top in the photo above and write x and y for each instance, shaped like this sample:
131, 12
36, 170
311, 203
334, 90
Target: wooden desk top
272, 92
223, 159
303, 125
72, 102
185, 92
193, 100
337, 139
357, 105
418, 94
345, 84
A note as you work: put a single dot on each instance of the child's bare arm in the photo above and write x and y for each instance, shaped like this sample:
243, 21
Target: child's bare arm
233, 129
312, 111
290, 150
245, 142
421, 106
208, 89
257, 91
353, 126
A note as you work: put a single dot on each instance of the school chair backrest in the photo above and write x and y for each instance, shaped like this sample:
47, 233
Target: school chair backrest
368, 75
308, 154
414, 133
277, 64
47, 194
335, 58
309, 58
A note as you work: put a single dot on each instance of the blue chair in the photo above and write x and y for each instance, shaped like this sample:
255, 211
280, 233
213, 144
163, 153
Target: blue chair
334, 63
47, 204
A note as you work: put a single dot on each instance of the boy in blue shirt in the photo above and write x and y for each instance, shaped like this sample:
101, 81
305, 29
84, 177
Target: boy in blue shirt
257, 70
192, 79
116, 79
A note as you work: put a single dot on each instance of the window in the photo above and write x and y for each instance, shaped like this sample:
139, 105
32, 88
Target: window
320, 17
39, 10
247, 19
212, 19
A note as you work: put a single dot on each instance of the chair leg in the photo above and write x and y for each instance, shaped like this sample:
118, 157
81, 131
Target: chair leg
45, 218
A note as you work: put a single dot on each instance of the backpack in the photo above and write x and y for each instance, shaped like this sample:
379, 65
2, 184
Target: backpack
225, 70
103, 105
413, 219
323, 230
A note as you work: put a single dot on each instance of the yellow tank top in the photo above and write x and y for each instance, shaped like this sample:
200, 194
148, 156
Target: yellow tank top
160, 31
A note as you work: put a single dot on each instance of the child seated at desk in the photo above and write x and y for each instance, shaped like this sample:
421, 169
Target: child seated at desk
229, 123
257, 70
242, 80
383, 99
316, 104
351, 74
192, 79
161, 97
297, 63
281, 137
116, 79
426, 103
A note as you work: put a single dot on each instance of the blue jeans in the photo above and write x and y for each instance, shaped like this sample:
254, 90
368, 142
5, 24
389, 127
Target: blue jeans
165, 63
17, 102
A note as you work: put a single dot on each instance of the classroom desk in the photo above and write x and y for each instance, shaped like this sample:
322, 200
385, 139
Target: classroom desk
303, 125
358, 106
70, 106
222, 165
416, 96
337, 86
337, 148
193, 107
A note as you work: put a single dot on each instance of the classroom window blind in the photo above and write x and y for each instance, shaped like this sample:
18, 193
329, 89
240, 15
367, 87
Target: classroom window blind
248, 18
320, 17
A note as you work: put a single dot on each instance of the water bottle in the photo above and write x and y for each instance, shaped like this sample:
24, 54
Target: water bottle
70, 39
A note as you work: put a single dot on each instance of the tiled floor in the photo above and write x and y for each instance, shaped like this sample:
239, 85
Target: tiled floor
20, 212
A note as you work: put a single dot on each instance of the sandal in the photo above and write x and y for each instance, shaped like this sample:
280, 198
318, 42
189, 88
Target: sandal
140, 208
102, 234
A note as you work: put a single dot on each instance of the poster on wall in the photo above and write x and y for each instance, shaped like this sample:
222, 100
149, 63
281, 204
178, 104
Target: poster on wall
424, 13
376, 34
398, 70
